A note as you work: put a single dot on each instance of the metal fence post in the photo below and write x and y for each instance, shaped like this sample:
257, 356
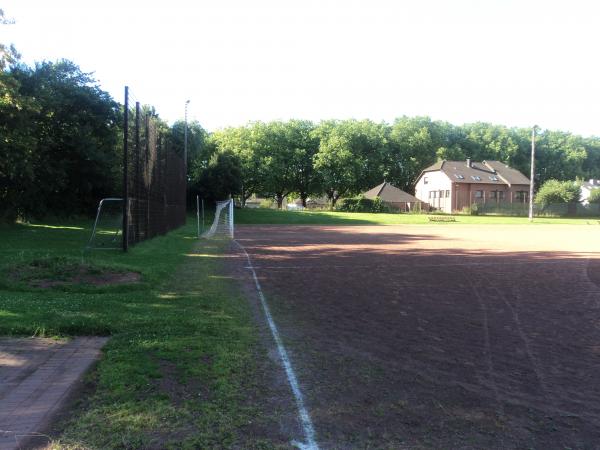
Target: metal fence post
125, 231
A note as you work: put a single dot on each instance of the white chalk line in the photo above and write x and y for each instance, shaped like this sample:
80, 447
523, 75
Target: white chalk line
307, 425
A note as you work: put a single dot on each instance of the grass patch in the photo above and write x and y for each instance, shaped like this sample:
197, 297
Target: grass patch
271, 216
181, 363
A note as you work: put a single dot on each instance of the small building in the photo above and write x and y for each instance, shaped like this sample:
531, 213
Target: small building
586, 189
450, 186
394, 198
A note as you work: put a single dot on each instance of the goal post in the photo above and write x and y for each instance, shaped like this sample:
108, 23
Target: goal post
222, 226
107, 232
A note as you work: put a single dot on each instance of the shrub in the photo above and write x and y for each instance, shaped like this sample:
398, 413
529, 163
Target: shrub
554, 191
594, 196
362, 204
266, 203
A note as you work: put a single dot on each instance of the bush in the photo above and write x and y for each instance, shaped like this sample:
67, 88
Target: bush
267, 203
362, 204
594, 196
554, 191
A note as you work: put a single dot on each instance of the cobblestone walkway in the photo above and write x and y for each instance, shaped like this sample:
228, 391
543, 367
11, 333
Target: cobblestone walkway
36, 376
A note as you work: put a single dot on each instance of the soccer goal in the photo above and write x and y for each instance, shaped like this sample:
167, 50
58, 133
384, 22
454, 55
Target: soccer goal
222, 226
108, 226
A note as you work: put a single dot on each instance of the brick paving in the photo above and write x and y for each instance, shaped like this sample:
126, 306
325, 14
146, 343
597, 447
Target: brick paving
36, 376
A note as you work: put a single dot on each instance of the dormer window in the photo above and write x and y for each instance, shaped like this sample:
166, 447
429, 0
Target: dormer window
493, 178
459, 176
476, 177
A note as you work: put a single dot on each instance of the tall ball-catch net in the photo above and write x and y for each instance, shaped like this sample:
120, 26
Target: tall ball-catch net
108, 226
222, 226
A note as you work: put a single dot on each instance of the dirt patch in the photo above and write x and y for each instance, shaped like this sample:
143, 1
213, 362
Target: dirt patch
455, 337
179, 391
102, 279
64, 272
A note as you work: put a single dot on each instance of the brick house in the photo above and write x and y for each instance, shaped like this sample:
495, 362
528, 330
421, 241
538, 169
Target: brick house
453, 185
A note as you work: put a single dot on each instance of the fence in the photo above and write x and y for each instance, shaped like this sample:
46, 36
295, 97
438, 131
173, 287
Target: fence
154, 181
539, 210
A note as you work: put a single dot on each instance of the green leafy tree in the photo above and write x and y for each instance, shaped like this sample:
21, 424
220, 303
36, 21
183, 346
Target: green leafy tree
350, 157
198, 150
554, 191
413, 145
66, 137
8, 53
221, 179
246, 144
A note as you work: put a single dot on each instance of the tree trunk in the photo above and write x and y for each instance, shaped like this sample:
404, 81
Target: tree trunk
303, 197
279, 198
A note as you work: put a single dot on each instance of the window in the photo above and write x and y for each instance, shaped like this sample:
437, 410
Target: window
434, 194
501, 195
459, 176
494, 194
447, 194
476, 177
429, 194
493, 178
425, 180
521, 196
478, 194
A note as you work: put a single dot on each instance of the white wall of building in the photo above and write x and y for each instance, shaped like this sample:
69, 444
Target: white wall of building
429, 187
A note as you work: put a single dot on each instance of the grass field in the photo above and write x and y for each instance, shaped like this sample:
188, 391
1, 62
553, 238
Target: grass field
181, 364
271, 216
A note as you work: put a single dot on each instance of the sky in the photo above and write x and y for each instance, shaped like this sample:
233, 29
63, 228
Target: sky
516, 63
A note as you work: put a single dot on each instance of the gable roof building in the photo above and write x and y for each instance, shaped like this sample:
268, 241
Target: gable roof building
453, 185
392, 196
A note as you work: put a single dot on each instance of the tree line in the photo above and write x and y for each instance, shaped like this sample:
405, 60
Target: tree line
339, 158
61, 148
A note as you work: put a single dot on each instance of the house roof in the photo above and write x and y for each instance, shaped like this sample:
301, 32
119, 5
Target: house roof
486, 172
390, 194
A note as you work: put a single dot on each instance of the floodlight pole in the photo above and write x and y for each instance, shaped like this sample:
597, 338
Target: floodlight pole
185, 139
531, 181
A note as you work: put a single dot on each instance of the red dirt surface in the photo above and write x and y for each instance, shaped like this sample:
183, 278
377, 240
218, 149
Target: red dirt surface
440, 336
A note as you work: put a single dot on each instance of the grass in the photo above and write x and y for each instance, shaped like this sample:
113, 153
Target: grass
271, 216
181, 363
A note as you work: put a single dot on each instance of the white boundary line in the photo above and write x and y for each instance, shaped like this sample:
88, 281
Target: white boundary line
307, 426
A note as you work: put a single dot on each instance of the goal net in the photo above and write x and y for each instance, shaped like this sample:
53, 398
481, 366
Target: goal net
222, 226
108, 226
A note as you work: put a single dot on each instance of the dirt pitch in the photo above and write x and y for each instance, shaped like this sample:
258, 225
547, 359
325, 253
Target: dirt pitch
442, 336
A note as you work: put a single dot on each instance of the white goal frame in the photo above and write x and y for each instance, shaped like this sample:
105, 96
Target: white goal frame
222, 225
118, 232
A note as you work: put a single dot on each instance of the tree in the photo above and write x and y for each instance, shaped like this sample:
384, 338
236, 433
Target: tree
414, 143
350, 156
74, 127
8, 53
246, 144
554, 191
221, 179
198, 150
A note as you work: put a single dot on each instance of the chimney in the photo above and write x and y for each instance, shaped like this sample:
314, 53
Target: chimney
468, 162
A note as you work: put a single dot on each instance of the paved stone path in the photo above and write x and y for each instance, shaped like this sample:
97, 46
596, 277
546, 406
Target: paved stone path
36, 376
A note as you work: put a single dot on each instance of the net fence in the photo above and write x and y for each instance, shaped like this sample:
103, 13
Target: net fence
153, 175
